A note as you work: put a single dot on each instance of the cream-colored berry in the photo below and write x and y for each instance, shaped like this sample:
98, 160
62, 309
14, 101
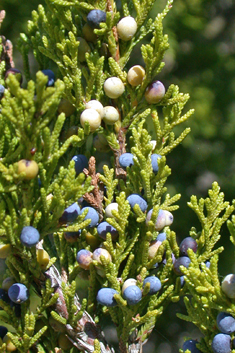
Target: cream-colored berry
92, 117
108, 210
111, 115
126, 28
114, 87
135, 75
94, 104
228, 285
153, 143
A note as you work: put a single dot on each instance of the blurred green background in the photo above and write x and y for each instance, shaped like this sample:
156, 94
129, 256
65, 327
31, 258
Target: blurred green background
201, 60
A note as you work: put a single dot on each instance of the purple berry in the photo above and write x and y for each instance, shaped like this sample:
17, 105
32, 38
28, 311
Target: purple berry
105, 296
70, 213
18, 293
51, 77
3, 331
92, 215
154, 92
137, 199
191, 346
2, 89
155, 284
221, 343
154, 159
81, 162
188, 243
95, 17
161, 237
126, 160
181, 261
225, 323
84, 258
29, 236
15, 72
104, 228
132, 294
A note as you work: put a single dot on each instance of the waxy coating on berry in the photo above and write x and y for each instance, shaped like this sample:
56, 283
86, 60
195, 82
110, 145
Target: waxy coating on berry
95, 17
126, 160
92, 215
129, 282
29, 236
108, 210
191, 345
92, 117
155, 284
155, 92
105, 296
153, 248
84, 258
161, 237
187, 243
18, 293
154, 160
51, 77
135, 75
101, 252
164, 218
104, 228
81, 162
127, 28
2, 89
94, 104
70, 213
134, 199
29, 167
181, 261
114, 87
221, 343
228, 286
132, 294
225, 323
111, 115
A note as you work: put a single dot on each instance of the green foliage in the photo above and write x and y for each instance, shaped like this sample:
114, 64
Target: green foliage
34, 129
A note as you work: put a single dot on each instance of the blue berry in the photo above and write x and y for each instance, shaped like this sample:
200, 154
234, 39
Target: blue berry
191, 346
154, 159
161, 237
2, 89
92, 215
225, 323
137, 199
105, 296
18, 293
182, 281
104, 228
84, 258
126, 160
81, 162
132, 294
221, 343
155, 284
51, 77
95, 17
207, 263
29, 236
188, 243
3, 331
70, 213
181, 261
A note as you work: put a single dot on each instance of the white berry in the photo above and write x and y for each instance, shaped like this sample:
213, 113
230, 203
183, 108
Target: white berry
114, 87
228, 286
92, 117
111, 115
108, 210
94, 104
126, 28
135, 75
